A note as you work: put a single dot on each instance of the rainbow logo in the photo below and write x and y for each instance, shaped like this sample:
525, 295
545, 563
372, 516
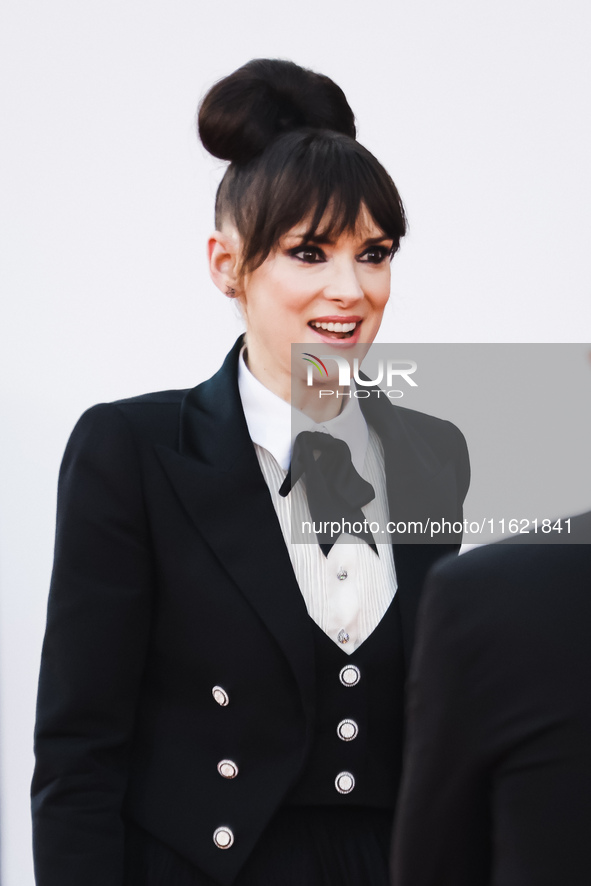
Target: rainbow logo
317, 362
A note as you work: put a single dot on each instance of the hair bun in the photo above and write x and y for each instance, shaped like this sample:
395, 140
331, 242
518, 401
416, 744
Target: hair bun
245, 111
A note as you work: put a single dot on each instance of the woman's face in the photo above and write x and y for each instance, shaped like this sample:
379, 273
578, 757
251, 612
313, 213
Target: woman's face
324, 292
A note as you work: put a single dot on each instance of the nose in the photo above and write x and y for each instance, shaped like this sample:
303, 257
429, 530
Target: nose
343, 285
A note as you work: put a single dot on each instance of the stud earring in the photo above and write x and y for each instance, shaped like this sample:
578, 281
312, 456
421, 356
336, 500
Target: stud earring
230, 292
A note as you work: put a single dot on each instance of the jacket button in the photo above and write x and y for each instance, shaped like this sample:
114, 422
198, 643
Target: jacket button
350, 675
347, 730
344, 782
221, 696
227, 769
223, 837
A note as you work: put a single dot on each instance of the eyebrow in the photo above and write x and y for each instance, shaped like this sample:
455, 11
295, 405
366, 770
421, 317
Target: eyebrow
329, 241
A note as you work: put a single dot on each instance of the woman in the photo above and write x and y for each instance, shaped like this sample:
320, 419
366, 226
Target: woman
217, 705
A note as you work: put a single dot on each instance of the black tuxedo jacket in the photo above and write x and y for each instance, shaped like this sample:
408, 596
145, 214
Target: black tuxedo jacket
497, 776
171, 576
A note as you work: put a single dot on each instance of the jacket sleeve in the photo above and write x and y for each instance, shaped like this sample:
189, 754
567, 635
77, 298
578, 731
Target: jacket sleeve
93, 656
442, 831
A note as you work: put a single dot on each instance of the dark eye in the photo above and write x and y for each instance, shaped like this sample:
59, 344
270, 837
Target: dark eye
311, 255
375, 255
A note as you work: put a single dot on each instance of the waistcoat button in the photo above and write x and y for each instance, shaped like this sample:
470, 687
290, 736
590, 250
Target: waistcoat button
344, 782
347, 730
350, 675
227, 769
223, 837
221, 696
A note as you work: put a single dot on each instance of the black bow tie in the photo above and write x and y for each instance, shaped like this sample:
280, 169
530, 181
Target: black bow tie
336, 492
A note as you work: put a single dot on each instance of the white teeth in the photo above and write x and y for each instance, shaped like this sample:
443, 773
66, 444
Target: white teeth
335, 327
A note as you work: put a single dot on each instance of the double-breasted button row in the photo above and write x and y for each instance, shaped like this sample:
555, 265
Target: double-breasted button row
223, 837
347, 729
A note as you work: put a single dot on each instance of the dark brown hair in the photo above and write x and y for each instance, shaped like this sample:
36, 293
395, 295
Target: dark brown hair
289, 135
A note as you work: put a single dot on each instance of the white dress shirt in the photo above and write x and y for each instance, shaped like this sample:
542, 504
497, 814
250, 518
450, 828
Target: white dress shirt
348, 592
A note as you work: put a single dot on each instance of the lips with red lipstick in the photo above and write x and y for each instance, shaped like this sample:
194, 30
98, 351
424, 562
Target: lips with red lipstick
336, 328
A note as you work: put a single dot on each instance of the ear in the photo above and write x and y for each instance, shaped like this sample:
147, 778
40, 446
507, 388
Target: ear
223, 250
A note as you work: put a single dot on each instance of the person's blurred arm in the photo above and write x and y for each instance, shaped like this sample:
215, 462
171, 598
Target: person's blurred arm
442, 821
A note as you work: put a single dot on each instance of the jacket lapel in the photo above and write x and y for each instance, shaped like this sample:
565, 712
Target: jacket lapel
418, 485
216, 476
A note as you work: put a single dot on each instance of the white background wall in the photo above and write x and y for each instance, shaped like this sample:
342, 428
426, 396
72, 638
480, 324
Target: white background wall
479, 110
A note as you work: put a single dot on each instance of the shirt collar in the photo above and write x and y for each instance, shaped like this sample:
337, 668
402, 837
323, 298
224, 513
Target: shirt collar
269, 420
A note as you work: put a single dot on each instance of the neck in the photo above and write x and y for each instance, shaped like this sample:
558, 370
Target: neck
309, 400
295, 390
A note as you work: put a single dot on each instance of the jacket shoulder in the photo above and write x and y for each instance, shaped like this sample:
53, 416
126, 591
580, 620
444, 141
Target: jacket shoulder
439, 435
153, 416
424, 422
153, 398
506, 583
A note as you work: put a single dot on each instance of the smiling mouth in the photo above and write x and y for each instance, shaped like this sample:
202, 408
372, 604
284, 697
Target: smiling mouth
335, 330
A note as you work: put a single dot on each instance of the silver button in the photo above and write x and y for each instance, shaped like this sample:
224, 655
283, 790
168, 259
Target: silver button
343, 636
342, 574
223, 837
221, 696
350, 675
344, 782
347, 730
227, 769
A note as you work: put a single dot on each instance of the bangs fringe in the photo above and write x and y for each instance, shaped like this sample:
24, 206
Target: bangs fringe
321, 178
